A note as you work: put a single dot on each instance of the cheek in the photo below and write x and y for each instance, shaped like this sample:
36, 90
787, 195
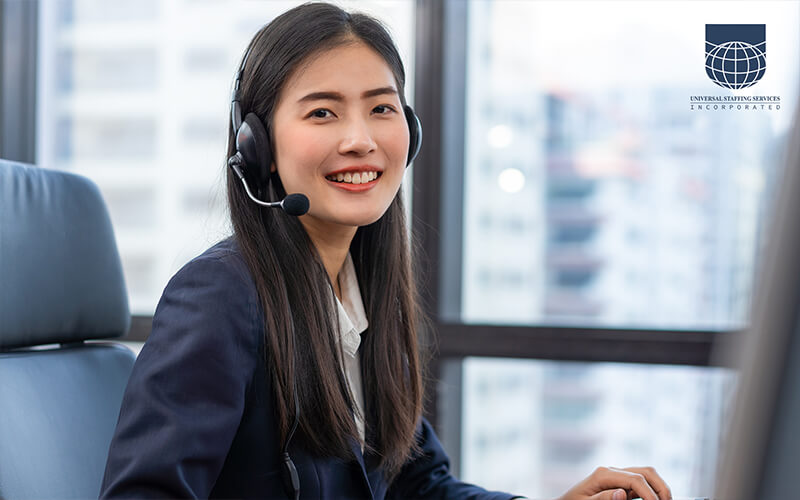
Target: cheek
395, 141
299, 151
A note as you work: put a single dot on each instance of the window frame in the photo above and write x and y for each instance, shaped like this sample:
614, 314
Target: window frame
440, 100
18, 64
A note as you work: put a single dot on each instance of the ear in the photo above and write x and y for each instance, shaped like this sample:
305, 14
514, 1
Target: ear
272, 168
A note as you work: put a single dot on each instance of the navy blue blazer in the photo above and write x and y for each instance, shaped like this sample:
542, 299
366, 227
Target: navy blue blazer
197, 417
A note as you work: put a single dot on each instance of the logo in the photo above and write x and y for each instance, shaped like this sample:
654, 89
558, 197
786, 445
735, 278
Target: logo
736, 54
736, 58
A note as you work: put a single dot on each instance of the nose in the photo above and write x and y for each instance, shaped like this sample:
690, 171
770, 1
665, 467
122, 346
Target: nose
357, 139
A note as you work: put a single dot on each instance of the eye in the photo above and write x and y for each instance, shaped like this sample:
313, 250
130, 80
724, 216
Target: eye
384, 109
320, 113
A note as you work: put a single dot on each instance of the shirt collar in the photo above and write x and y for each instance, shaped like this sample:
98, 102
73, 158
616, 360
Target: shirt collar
352, 318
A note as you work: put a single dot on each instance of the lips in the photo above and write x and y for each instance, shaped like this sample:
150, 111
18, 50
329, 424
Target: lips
356, 188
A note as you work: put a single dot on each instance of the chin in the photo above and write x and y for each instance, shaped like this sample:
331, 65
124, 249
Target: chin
363, 220
360, 218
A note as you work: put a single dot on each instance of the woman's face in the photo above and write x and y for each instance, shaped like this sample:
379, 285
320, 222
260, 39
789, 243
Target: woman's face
339, 116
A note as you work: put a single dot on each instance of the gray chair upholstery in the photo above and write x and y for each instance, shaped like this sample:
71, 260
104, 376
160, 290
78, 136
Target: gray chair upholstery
61, 283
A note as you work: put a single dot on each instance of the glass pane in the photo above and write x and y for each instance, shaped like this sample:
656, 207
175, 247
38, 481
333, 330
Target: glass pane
596, 194
536, 428
135, 95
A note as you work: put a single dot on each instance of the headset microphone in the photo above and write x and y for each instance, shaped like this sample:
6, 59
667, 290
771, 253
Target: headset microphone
294, 204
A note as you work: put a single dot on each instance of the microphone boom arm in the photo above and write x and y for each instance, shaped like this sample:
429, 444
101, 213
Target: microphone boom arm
296, 208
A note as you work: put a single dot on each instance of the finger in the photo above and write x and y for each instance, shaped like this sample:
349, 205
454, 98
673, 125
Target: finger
617, 494
611, 478
654, 480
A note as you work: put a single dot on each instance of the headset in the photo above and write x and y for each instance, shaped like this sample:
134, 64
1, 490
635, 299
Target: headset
252, 163
253, 156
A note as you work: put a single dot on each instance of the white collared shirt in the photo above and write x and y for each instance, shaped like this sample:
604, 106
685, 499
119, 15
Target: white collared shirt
352, 322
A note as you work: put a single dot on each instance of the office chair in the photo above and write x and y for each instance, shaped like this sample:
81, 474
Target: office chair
61, 284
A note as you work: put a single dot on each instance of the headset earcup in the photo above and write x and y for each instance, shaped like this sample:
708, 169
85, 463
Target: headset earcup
252, 142
414, 134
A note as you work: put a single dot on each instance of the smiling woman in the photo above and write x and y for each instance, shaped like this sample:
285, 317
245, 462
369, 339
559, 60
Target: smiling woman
285, 359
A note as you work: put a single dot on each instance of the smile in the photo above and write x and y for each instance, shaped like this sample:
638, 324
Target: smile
355, 178
364, 183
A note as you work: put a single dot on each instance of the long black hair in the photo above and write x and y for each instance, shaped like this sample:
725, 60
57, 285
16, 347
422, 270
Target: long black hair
293, 285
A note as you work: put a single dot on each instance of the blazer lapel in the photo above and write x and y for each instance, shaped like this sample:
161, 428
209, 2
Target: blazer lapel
374, 479
363, 470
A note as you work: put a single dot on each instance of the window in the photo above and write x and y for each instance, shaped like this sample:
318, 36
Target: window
584, 212
607, 200
537, 427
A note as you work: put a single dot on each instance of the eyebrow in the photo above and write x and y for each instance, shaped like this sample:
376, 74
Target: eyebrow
336, 96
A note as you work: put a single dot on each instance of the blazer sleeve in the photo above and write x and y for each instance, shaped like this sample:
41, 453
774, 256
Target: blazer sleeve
428, 475
186, 394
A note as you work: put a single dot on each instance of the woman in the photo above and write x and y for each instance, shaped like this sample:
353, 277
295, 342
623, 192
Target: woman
283, 361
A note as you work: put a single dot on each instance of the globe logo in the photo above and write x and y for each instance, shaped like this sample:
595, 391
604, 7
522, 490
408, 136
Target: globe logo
736, 65
736, 54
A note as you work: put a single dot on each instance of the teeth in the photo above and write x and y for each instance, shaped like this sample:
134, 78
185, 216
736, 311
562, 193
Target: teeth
354, 178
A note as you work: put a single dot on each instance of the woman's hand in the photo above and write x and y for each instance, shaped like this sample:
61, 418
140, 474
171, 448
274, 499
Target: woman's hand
609, 483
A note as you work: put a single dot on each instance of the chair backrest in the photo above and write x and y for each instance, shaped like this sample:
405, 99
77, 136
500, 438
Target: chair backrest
61, 283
